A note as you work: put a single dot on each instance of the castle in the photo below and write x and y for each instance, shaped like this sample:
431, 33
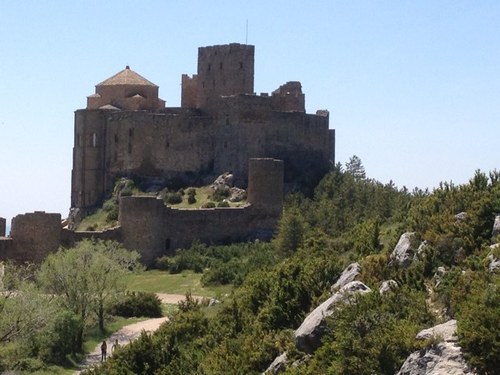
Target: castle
265, 141
127, 131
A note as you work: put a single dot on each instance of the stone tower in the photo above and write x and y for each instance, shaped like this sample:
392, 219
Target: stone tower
223, 70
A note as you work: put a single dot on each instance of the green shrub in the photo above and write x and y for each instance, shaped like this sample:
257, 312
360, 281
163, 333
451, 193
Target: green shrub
220, 194
173, 198
208, 205
223, 204
191, 199
191, 191
138, 304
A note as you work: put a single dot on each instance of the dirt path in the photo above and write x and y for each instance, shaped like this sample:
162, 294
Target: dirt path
132, 331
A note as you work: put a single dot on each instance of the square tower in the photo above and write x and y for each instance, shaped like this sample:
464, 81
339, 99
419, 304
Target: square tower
224, 70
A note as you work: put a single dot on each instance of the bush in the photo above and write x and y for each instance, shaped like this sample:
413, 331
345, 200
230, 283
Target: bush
191, 199
138, 304
173, 198
208, 205
223, 204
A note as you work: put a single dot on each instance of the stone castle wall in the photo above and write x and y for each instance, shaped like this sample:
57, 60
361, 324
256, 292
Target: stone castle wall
153, 229
32, 237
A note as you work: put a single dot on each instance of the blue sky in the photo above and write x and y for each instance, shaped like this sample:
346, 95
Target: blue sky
413, 87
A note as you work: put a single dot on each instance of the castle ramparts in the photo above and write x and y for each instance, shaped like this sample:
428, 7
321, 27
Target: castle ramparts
154, 229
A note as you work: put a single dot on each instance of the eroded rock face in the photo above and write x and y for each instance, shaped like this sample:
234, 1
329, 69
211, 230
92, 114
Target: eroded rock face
278, 365
444, 357
403, 254
387, 286
496, 227
348, 275
308, 335
494, 265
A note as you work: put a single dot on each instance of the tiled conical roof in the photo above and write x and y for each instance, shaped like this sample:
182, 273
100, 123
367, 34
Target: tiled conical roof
127, 77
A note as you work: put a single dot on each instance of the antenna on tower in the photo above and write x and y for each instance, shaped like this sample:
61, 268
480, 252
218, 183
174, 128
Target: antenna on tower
246, 33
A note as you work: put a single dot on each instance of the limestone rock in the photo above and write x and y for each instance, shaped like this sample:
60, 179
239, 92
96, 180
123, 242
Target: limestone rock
387, 286
442, 358
225, 179
348, 275
494, 265
308, 335
496, 227
237, 194
403, 254
440, 272
278, 365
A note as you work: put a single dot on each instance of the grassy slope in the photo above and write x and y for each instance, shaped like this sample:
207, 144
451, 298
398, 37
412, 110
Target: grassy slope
156, 281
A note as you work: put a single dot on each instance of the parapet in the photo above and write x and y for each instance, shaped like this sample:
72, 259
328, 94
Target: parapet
289, 98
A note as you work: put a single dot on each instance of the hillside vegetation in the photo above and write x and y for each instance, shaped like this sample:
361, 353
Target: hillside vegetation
350, 218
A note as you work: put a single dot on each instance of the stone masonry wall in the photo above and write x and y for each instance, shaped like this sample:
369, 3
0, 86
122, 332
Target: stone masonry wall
2, 227
34, 235
154, 229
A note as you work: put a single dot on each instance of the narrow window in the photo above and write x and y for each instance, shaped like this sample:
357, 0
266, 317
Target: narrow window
167, 145
94, 139
241, 65
116, 156
209, 67
221, 65
130, 148
167, 244
131, 132
116, 138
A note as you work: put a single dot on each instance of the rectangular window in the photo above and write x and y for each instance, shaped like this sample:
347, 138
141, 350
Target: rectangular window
94, 139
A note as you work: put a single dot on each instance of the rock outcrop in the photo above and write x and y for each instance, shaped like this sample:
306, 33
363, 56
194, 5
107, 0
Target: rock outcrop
404, 252
494, 263
496, 227
348, 274
442, 357
308, 335
278, 365
387, 286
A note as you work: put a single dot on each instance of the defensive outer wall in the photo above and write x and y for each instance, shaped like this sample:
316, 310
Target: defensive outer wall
153, 229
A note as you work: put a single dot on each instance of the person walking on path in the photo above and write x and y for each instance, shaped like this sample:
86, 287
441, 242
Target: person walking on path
104, 348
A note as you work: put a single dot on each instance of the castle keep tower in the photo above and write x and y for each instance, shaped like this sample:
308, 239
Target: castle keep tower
222, 71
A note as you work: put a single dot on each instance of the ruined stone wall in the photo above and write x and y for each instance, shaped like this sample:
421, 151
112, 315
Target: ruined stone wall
224, 70
34, 235
154, 229
189, 91
69, 238
7, 250
2, 227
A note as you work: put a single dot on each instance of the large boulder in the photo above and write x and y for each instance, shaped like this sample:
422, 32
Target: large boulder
404, 252
278, 365
308, 335
496, 227
348, 275
494, 263
387, 286
443, 356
